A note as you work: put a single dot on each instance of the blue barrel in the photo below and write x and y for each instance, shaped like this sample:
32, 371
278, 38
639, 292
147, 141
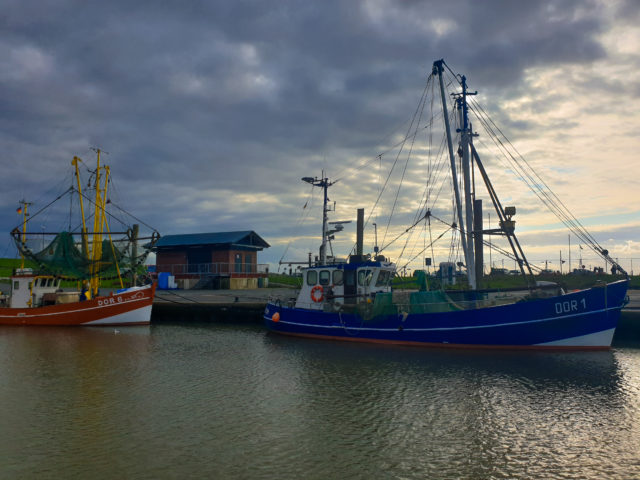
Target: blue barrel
163, 280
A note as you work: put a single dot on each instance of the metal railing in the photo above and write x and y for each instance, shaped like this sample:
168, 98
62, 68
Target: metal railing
227, 269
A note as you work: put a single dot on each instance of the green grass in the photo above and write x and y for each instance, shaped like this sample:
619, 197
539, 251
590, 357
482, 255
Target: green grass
279, 280
8, 265
568, 282
499, 282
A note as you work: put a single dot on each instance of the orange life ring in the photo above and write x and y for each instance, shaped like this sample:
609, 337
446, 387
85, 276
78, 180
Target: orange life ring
317, 288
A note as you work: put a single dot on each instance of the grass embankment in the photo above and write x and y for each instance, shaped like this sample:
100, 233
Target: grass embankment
8, 265
279, 280
568, 282
500, 282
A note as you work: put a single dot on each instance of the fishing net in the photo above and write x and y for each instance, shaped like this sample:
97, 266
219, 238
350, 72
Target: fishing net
64, 257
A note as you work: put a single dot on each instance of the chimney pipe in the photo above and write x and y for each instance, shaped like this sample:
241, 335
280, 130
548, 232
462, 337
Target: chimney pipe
360, 231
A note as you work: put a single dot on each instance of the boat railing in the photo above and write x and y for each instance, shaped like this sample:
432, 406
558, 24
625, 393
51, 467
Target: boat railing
414, 302
381, 305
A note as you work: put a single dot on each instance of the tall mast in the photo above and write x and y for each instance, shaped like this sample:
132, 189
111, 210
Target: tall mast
23, 209
465, 136
438, 70
96, 250
324, 183
85, 241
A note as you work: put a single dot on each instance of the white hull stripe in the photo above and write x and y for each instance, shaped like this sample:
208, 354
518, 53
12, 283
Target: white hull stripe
139, 315
591, 340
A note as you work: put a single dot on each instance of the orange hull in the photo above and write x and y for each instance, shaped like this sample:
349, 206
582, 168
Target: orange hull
132, 307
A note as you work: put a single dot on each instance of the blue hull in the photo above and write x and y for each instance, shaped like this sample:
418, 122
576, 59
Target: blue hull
583, 319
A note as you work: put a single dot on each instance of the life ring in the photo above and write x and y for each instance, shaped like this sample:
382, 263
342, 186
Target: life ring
314, 297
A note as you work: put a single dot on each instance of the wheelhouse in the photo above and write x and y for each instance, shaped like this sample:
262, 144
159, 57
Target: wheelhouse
31, 290
344, 283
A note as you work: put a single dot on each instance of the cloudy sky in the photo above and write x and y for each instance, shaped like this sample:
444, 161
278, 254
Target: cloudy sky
211, 111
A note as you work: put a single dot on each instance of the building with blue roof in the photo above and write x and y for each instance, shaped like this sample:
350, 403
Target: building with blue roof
213, 260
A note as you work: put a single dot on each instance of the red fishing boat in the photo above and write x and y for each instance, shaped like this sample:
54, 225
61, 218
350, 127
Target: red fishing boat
82, 258
131, 306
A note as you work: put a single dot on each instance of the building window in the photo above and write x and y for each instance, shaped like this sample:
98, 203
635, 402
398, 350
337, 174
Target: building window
238, 263
247, 263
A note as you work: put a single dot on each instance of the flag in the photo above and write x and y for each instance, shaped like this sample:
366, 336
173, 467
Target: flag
19, 210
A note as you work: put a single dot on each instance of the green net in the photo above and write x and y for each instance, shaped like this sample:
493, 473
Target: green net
63, 257
431, 302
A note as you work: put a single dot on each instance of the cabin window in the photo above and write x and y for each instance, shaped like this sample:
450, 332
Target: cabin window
337, 277
325, 277
383, 278
16, 285
364, 277
312, 277
49, 282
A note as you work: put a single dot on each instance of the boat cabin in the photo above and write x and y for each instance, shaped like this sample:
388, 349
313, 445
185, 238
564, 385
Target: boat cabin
344, 283
31, 290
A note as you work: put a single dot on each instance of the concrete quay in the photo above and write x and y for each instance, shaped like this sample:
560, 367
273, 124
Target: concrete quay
236, 306
634, 301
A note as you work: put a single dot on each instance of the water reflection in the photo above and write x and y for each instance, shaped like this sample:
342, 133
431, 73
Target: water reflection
462, 413
233, 402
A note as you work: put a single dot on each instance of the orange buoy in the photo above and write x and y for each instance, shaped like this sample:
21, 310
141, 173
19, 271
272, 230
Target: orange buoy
314, 291
276, 317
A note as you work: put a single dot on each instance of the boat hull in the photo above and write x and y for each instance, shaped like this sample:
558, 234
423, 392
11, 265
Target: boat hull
131, 307
585, 319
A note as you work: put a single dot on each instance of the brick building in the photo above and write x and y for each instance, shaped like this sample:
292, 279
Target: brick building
213, 260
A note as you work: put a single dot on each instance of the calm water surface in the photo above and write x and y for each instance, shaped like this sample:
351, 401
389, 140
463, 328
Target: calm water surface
219, 401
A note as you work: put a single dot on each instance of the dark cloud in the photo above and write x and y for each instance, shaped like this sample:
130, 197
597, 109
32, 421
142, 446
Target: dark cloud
246, 97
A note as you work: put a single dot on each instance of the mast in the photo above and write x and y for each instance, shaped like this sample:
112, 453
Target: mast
85, 241
96, 249
323, 183
465, 134
438, 70
23, 209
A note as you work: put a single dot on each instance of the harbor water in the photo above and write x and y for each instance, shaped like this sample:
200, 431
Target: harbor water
228, 401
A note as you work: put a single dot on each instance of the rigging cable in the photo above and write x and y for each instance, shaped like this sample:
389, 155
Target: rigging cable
537, 185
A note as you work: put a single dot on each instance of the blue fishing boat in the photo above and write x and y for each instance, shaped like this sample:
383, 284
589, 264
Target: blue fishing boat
354, 299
